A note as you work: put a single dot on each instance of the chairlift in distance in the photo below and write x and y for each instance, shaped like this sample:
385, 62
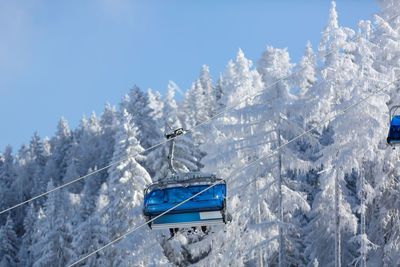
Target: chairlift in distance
393, 138
208, 208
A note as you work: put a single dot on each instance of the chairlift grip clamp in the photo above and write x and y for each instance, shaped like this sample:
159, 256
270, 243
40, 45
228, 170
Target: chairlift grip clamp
175, 133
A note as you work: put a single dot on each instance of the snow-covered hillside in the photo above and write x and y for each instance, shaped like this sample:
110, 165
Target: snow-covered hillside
330, 195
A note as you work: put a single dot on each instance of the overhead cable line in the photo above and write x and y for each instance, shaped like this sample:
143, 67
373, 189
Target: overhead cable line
234, 173
224, 110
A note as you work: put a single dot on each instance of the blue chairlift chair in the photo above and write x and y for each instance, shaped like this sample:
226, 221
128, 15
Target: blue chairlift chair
393, 138
208, 208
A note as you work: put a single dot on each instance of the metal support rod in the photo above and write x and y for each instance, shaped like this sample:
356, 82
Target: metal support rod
173, 135
171, 156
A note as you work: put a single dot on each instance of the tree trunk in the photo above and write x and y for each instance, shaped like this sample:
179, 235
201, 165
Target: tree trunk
260, 254
337, 222
280, 221
363, 243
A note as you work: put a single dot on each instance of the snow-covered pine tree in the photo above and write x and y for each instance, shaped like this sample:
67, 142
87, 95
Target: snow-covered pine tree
194, 109
186, 156
352, 135
126, 180
89, 149
108, 123
369, 147
144, 108
30, 180
85, 153
382, 213
25, 255
7, 183
337, 69
38, 155
240, 81
156, 104
52, 233
8, 244
199, 105
285, 200
305, 78
388, 48
137, 104
219, 92
126, 183
89, 230
209, 91
169, 119
59, 159
234, 130
238, 139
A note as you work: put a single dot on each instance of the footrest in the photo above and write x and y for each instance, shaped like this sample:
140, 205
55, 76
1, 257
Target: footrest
189, 219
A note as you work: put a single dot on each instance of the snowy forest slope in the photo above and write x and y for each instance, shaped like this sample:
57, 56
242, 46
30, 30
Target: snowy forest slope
285, 208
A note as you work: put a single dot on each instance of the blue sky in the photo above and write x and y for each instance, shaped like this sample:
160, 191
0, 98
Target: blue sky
68, 58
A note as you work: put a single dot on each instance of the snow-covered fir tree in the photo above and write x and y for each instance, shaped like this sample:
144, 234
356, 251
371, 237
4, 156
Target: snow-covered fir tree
8, 244
25, 254
52, 233
7, 182
125, 184
186, 154
137, 104
59, 159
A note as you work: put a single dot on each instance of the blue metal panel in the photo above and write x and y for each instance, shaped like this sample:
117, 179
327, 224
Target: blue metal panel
396, 121
394, 133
